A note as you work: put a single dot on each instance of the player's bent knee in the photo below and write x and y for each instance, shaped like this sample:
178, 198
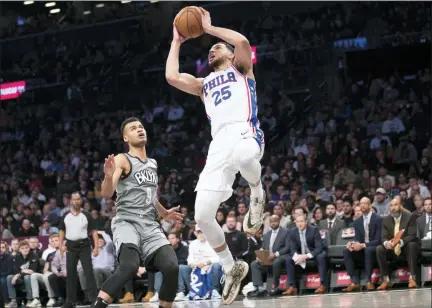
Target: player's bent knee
170, 270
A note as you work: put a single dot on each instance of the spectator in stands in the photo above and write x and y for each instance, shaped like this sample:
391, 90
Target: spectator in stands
34, 247
381, 202
424, 222
276, 242
328, 191
27, 229
46, 229
377, 141
357, 213
406, 248
317, 216
339, 207
237, 241
332, 224
14, 248
363, 249
348, 211
278, 211
383, 176
414, 184
25, 264
57, 280
103, 263
201, 255
6, 265
305, 244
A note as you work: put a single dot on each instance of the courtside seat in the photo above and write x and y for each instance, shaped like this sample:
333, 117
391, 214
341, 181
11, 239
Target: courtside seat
426, 249
335, 252
426, 261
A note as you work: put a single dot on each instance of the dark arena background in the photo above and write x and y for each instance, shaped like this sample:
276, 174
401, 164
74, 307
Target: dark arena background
344, 94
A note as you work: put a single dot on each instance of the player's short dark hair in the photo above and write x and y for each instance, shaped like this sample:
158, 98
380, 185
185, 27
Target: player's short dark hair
127, 121
230, 48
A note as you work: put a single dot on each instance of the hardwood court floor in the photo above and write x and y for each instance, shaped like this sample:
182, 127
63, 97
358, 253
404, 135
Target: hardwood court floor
419, 298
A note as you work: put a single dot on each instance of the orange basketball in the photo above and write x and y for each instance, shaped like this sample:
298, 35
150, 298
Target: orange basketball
188, 22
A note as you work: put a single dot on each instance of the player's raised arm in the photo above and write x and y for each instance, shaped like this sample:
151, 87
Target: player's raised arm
242, 51
182, 81
113, 169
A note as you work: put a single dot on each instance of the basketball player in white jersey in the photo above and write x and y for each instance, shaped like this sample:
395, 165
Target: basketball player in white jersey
229, 97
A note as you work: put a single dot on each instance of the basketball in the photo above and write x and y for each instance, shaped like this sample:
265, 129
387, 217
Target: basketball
188, 22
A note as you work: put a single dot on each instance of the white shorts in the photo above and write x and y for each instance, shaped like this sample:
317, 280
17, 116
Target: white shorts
220, 169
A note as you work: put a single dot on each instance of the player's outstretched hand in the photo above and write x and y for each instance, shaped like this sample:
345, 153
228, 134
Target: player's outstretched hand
109, 166
173, 214
205, 19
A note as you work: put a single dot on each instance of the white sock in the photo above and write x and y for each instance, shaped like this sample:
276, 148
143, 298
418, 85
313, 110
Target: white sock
257, 191
226, 259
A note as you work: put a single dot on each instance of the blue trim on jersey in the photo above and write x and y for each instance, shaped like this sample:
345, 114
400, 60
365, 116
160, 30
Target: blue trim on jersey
259, 134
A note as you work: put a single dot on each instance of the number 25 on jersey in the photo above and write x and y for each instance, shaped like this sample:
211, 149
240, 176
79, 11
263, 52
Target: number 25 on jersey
221, 95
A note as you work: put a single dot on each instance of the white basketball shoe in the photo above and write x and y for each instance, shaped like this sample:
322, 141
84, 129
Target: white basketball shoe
233, 281
254, 217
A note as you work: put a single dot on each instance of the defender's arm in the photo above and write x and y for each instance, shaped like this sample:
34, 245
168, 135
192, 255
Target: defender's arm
182, 81
109, 183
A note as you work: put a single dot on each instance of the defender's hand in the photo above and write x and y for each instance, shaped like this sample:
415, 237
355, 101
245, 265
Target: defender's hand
173, 214
205, 19
109, 166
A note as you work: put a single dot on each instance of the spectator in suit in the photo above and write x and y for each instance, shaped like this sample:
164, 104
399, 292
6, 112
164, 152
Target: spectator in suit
407, 248
276, 242
424, 223
306, 244
332, 224
363, 249
357, 214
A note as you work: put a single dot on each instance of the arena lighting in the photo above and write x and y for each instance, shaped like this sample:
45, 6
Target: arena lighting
55, 11
28, 2
126, 1
100, 5
50, 4
86, 12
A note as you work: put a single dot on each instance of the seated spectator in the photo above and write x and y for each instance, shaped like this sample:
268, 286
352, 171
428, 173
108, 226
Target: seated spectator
407, 248
46, 229
27, 229
279, 211
327, 192
424, 223
317, 216
357, 213
332, 224
348, 211
182, 254
57, 280
103, 263
363, 248
239, 225
277, 243
34, 247
6, 264
236, 240
25, 264
41, 280
203, 256
375, 143
305, 244
53, 244
381, 202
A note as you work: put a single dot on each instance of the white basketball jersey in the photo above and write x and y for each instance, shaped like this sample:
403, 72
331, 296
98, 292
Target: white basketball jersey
230, 97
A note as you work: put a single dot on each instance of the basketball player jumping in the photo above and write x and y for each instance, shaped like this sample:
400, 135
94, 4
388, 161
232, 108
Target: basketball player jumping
136, 232
229, 96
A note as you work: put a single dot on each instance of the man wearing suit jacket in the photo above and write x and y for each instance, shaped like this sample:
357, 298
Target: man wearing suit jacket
306, 243
363, 250
424, 222
332, 224
275, 241
407, 248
